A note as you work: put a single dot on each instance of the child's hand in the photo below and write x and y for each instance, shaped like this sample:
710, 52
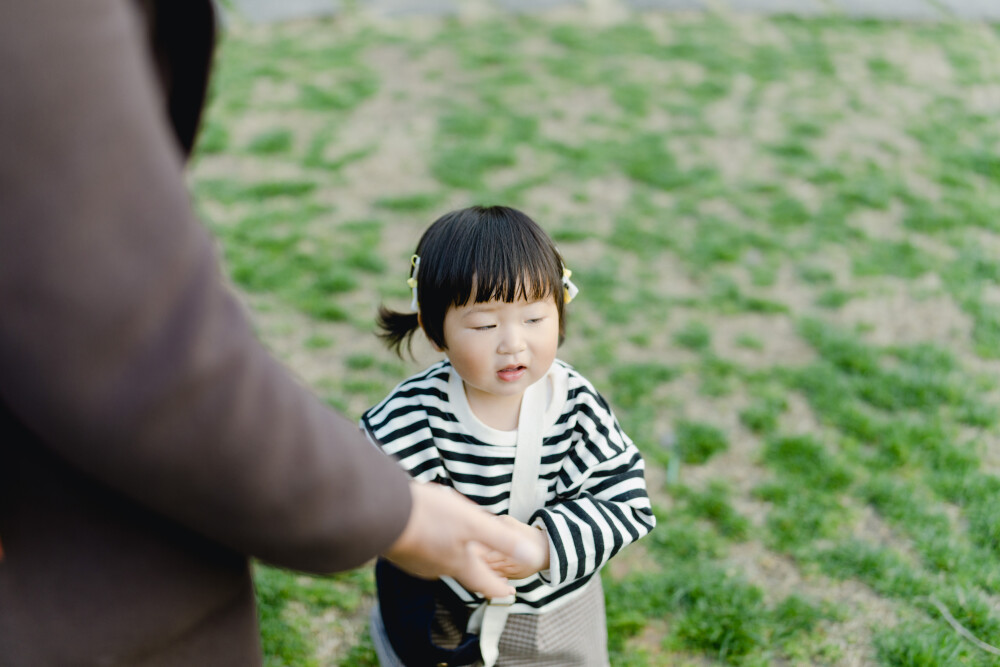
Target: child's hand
513, 569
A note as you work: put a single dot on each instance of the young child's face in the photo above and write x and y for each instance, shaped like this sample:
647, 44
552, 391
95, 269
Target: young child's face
500, 349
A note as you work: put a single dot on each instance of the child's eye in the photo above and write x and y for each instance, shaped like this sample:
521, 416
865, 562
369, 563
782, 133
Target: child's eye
484, 327
535, 320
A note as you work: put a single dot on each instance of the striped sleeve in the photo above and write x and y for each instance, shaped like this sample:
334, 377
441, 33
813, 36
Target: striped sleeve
400, 425
601, 502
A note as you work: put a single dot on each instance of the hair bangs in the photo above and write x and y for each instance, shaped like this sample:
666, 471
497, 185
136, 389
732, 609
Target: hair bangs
510, 273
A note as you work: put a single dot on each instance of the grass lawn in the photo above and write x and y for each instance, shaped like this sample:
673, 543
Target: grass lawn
787, 237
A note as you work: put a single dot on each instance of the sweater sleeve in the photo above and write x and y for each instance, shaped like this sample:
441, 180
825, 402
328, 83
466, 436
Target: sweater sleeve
121, 347
601, 502
399, 426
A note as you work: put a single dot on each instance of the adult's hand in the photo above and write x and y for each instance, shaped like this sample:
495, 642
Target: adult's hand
515, 569
449, 535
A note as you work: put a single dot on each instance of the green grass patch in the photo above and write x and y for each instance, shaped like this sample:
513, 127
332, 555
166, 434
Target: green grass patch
272, 142
694, 336
714, 504
633, 384
415, 203
764, 411
284, 641
697, 442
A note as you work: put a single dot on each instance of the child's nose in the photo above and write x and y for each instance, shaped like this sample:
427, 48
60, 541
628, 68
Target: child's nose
511, 341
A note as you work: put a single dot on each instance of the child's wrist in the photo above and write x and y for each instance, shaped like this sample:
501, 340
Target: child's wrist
543, 541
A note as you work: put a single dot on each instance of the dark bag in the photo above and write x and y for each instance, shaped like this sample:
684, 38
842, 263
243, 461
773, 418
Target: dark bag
408, 605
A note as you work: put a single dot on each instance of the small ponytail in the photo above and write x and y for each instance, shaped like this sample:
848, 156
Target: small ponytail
396, 328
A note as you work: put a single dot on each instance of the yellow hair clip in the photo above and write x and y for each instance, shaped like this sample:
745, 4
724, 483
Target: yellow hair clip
569, 289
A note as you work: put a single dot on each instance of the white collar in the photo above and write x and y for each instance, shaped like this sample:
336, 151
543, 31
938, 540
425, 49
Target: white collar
553, 386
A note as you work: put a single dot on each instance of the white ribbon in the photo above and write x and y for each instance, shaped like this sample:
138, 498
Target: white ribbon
412, 282
490, 617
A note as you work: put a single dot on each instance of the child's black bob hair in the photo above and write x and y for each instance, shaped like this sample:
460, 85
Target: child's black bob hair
482, 253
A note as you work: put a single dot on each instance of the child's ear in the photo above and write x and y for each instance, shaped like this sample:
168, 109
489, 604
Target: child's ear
420, 321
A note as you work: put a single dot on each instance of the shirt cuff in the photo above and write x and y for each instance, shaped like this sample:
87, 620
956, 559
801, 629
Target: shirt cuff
546, 574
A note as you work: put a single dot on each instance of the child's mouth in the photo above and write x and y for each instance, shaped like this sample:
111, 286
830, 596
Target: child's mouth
511, 373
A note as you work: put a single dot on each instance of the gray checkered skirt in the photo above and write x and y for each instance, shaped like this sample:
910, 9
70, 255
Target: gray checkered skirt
571, 635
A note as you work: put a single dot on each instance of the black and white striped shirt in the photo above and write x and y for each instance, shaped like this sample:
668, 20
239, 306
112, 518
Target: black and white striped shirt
591, 474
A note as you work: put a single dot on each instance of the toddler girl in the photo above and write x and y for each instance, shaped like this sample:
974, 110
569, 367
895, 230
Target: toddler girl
489, 290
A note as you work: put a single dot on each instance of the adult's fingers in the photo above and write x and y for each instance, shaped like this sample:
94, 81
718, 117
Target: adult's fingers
477, 575
499, 536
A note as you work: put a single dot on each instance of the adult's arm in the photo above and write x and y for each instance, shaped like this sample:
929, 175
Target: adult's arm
121, 347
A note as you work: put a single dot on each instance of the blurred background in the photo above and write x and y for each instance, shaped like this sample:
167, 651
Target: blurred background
784, 218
